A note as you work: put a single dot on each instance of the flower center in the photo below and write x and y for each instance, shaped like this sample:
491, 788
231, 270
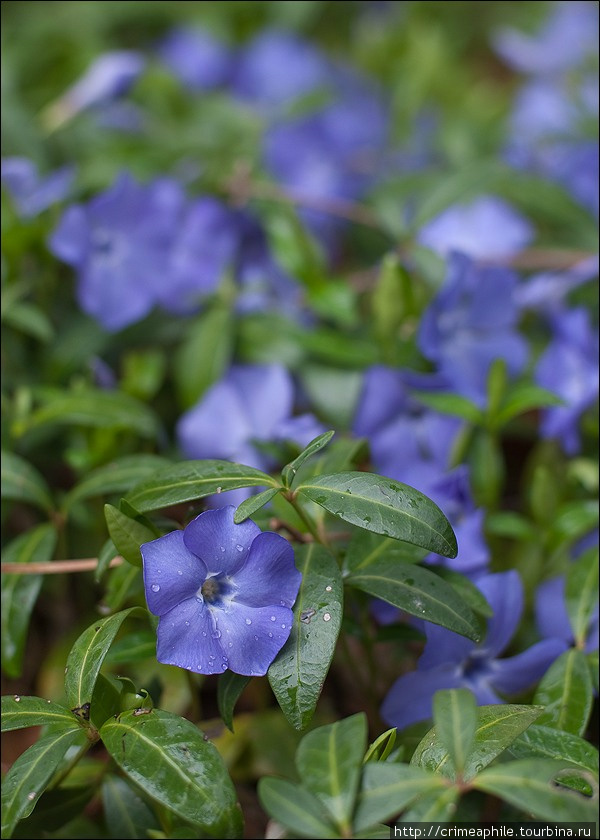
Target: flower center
210, 589
217, 590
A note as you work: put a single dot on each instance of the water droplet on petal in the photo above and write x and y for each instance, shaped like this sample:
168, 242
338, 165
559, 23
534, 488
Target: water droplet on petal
273, 618
179, 572
211, 656
283, 626
326, 617
187, 623
224, 666
230, 644
204, 632
240, 547
222, 547
248, 621
155, 587
216, 634
270, 635
256, 638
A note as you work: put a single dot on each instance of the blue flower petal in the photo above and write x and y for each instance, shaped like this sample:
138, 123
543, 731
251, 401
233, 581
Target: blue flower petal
516, 673
444, 647
409, 699
221, 544
251, 637
188, 637
171, 572
504, 593
269, 576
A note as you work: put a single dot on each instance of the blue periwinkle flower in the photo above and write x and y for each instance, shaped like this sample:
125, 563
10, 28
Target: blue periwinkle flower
470, 323
223, 592
552, 618
32, 194
452, 661
197, 59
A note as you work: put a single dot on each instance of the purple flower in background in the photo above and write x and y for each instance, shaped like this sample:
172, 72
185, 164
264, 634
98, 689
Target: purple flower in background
223, 592
486, 228
564, 41
30, 193
551, 616
546, 292
574, 165
569, 368
470, 323
120, 245
197, 59
452, 661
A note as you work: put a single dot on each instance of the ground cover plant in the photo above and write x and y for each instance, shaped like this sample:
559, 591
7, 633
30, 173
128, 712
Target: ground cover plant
300, 425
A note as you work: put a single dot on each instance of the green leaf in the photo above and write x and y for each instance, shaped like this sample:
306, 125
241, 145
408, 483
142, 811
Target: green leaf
27, 778
171, 761
135, 647
249, 506
91, 408
117, 477
455, 717
471, 595
124, 582
332, 392
366, 548
54, 809
388, 788
29, 320
581, 594
20, 592
528, 784
436, 806
384, 506
127, 534
453, 404
295, 808
229, 690
381, 746
126, 814
418, 592
87, 655
522, 397
209, 338
22, 483
106, 555
566, 692
497, 728
288, 473
544, 742
299, 670
19, 712
192, 480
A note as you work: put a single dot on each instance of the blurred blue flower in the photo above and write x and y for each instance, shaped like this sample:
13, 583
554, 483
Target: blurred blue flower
551, 616
223, 592
197, 59
470, 323
452, 661
546, 293
30, 193
487, 228
569, 368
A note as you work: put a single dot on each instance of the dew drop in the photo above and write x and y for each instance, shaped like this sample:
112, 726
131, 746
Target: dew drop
204, 632
31, 795
328, 588
248, 621
283, 604
211, 656
240, 547
230, 644
222, 547
224, 666
326, 617
17, 698
216, 634
219, 489
187, 623
270, 635
283, 626
179, 572
155, 587
273, 618
256, 638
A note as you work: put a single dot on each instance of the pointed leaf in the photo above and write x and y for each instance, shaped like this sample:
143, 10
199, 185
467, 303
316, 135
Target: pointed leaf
436, 806
497, 728
249, 506
126, 814
544, 742
329, 762
449, 403
528, 784
23, 483
295, 808
87, 655
581, 594
566, 692
418, 592
381, 746
388, 788
19, 711
365, 548
299, 670
384, 506
229, 690
27, 778
288, 473
522, 397
117, 477
20, 592
471, 595
210, 338
170, 759
455, 718
192, 480
127, 534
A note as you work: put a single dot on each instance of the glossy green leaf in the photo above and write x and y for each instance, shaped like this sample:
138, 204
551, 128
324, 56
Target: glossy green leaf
566, 692
435, 806
27, 778
229, 691
92, 409
329, 762
249, 506
522, 397
288, 473
209, 338
529, 784
117, 477
23, 483
497, 728
106, 699
125, 582
136, 646
419, 592
54, 809
581, 594
20, 592
366, 548
453, 404
127, 534
126, 814
388, 788
170, 759
384, 506
19, 712
192, 480
381, 746
30, 320
295, 808
87, 655
544, 742
455, 718
105, 556
470, 594
299, 670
